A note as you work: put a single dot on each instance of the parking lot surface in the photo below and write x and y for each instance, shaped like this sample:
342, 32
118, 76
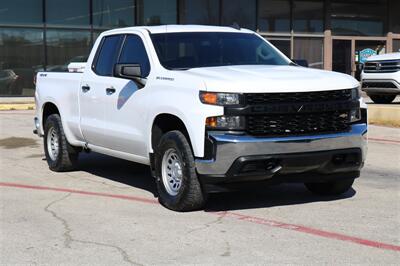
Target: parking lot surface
106, 213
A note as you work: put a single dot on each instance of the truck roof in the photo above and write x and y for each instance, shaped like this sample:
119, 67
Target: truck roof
178, 28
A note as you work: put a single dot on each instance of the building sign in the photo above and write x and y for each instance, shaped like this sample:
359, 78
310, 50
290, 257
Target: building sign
364, 54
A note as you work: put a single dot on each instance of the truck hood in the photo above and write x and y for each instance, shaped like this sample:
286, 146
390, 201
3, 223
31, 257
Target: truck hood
256, 78
391, 56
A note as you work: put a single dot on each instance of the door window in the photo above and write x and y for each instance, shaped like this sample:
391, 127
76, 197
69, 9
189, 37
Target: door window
108, 55
134, 52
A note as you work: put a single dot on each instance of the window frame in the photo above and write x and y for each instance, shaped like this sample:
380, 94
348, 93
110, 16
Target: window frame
144, 46
100, 48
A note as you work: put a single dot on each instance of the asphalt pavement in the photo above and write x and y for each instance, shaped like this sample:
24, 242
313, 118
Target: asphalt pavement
107, 213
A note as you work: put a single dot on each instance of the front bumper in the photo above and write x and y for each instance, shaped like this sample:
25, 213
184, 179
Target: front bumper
380, 86
281, 155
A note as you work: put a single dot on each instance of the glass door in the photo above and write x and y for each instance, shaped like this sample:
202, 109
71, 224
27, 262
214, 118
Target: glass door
341, 56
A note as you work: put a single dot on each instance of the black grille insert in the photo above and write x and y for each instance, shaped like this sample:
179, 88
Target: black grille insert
300, 119
389, 85
298, 124
314, 96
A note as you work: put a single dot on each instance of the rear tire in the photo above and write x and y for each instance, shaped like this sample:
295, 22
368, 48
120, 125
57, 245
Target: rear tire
332, 188
178, 186
60, 155
382, 99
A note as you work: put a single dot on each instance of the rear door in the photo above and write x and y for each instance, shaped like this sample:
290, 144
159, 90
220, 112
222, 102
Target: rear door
93, 92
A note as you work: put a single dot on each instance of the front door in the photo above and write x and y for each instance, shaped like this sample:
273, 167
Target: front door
125, 110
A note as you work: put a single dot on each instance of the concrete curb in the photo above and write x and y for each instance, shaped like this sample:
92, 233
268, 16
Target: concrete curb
386, 115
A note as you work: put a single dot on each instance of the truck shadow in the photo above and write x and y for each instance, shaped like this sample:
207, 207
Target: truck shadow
253, 197
118, 170
268, 196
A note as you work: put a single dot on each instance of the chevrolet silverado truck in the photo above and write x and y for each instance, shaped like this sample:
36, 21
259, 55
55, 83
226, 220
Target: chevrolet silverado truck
380, 77
209, 109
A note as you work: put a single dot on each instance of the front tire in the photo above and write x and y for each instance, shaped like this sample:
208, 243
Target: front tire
60, 155
178, 186
382, 99
332, 188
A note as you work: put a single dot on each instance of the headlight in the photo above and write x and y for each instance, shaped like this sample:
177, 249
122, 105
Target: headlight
225, 122
355, 93
355, 115
220, 98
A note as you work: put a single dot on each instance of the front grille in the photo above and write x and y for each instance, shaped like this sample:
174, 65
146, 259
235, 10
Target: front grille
315, 96
386, 85
389, 66
304, 113
298, 124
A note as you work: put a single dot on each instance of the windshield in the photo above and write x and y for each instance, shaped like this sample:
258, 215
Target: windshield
186, 50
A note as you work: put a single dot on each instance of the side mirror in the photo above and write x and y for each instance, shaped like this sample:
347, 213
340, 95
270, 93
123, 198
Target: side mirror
300, 62
128, 71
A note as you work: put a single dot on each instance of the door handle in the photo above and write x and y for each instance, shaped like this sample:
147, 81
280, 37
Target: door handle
85, 88
110, 91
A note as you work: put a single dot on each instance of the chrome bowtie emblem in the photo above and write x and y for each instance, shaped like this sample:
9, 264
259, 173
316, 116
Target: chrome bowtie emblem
301, 107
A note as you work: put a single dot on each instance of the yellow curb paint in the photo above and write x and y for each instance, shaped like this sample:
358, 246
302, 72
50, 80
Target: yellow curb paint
17, 106
384, 115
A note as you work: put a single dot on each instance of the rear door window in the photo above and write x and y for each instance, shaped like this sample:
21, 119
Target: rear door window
108, 55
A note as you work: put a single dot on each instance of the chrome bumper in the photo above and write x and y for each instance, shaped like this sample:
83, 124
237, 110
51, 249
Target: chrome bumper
228, 148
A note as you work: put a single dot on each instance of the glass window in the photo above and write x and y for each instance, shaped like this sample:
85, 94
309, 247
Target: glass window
396, 45
282, 45
358, 17
71, 12
204, 12
274, 15
65, 46
242, 12
21, 12
206, 49
21, 56
394, 8
113, 13
157, 12
108, 55
308, 16
134, 52
310, 49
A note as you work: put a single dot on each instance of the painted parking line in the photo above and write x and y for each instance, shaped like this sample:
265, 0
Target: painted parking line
227, 214
74, 191
392, 141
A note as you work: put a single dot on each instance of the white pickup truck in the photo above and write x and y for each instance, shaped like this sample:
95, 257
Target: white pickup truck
381, 77
207, 108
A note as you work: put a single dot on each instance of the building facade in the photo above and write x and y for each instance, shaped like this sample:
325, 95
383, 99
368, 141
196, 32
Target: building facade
330, 34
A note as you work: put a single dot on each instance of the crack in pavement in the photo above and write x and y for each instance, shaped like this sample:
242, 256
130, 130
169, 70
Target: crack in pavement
207, 225
68, 239
67, 233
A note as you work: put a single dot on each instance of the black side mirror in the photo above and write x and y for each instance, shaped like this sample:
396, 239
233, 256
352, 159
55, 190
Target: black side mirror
300, 62
128, 71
